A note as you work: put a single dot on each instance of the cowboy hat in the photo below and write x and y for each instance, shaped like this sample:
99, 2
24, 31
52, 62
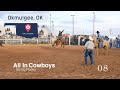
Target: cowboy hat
90, 38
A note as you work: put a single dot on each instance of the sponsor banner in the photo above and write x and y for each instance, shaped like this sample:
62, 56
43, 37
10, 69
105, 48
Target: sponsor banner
28, 30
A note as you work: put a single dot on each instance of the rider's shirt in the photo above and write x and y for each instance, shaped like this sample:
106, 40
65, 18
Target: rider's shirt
60, 35
98, 36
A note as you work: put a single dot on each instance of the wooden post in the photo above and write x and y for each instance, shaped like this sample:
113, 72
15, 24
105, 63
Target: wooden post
21, 40
69, 40
78, 40
37, 40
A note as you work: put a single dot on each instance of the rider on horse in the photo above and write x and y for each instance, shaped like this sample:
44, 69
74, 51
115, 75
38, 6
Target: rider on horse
99, 39
59, 40
98, 35
60, 35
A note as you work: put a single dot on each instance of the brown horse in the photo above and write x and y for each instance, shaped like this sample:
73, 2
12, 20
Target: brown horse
59, 42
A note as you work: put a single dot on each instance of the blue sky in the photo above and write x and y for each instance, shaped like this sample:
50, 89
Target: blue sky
83, 21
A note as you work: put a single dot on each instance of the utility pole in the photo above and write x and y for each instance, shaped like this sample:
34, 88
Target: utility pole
52, 27
73, 23
94, 25
83, 30
110, 32
50, 31
50, 24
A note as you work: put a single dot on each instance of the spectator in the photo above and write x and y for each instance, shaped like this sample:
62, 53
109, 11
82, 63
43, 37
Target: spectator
118, 43
110, 43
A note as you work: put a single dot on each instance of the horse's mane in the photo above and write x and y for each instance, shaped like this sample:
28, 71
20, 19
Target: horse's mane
94, 38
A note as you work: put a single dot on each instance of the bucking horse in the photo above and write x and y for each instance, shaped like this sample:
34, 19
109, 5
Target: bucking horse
60, 40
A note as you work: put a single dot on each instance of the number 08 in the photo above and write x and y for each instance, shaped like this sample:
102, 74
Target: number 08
103, 68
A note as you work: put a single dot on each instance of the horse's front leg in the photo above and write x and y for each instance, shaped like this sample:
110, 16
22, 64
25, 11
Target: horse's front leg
62, 44
106, 52
97, 51
56, 44
52, 45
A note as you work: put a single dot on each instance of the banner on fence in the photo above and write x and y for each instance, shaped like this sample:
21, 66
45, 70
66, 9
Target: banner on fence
27, 30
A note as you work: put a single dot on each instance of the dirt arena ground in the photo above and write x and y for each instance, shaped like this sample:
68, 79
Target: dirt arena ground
69, 63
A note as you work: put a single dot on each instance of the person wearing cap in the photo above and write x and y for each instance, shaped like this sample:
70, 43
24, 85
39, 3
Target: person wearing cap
98, 35
89, 46
110, 43
118, 43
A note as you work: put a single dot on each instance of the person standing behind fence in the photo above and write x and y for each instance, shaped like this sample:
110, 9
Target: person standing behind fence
118, 43
89, 46
110, 43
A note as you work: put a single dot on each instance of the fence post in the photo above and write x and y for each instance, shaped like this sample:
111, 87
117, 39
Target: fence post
50, 40
37, 40
21, 40
78, 40
5, 40
69, 40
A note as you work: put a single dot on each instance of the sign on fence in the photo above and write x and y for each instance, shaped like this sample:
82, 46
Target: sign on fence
27, 30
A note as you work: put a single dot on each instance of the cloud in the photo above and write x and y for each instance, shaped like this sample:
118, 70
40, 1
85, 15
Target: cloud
69, 22
96, 20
